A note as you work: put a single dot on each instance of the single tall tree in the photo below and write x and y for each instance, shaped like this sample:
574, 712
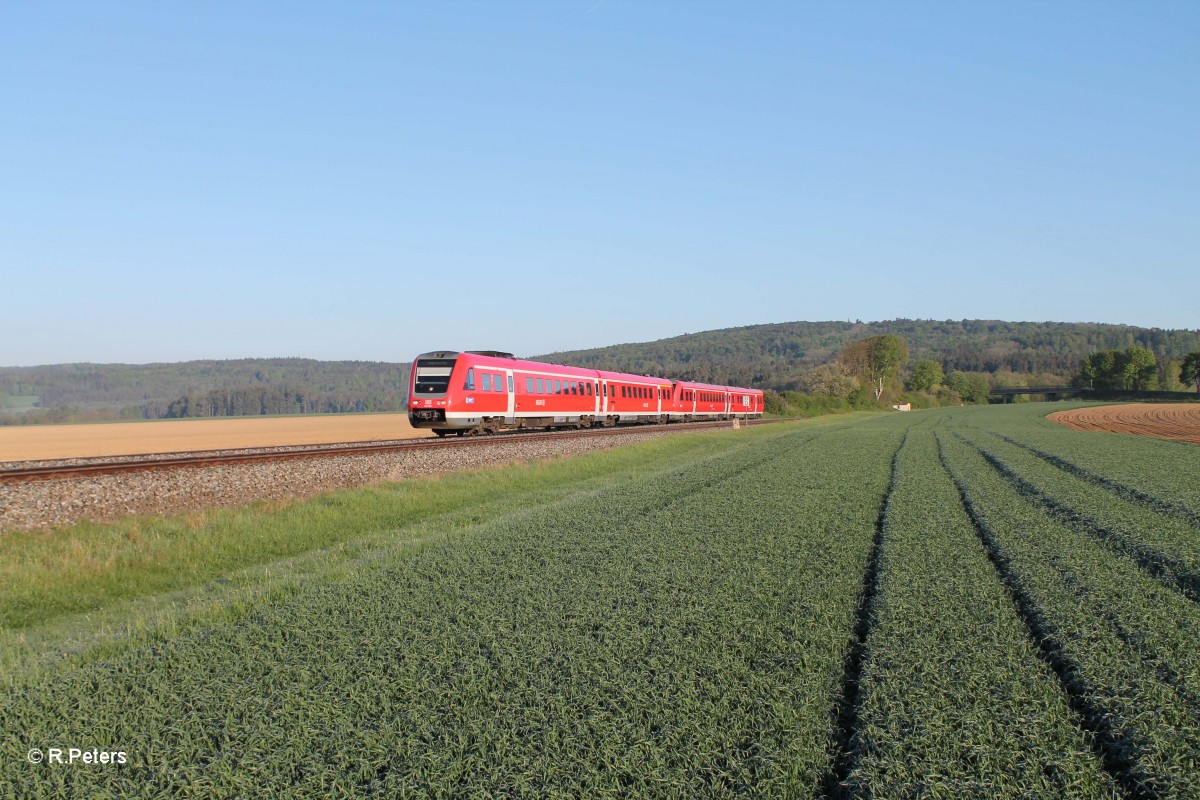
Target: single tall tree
876, 360
925, 375
1190, 370
1141, 369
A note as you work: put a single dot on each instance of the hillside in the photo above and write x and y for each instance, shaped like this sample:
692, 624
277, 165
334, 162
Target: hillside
776, 356
75, 392
772, 356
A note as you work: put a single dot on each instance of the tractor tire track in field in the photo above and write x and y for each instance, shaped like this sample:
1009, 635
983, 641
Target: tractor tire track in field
1129, 493
848, 705
1152, 661
1111, 748
1170, 572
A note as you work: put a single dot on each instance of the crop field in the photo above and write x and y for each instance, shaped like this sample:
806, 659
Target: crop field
22, 443
1178, 421
970, 602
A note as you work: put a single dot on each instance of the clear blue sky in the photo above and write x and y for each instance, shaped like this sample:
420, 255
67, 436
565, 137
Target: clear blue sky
372, 180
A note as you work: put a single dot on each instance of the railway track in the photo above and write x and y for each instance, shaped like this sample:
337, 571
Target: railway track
62, 468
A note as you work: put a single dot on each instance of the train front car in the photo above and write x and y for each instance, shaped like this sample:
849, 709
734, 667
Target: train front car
484, 391
429, 390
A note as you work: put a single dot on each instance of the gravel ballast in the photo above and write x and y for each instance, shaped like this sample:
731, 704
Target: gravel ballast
104, 498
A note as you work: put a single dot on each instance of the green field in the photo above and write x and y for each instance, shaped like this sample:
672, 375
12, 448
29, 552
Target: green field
18, 403
955, 603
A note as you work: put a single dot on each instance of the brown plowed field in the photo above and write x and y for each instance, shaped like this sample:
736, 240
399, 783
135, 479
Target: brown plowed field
1177, 421
22, 443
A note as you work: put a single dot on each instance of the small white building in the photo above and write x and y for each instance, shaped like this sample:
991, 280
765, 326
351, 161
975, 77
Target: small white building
902, 406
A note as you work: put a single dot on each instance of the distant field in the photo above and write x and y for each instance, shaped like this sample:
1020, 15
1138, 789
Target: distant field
1178, 421
185, 435
18, 403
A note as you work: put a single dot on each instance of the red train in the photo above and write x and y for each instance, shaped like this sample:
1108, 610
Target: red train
486, 391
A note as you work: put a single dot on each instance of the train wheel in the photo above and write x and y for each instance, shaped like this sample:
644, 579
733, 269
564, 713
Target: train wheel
441, 434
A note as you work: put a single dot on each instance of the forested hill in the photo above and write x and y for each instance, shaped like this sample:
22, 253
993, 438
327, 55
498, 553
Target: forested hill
776, 356
768, 356
78, 392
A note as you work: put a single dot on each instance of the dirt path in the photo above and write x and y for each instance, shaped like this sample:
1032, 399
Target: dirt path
20, 443
1177, 421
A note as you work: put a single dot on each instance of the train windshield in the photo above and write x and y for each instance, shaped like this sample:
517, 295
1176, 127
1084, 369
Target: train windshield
433, 375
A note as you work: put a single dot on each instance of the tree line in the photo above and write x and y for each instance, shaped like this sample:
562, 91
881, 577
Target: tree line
940, 362
105, 392
263, 400
878, 366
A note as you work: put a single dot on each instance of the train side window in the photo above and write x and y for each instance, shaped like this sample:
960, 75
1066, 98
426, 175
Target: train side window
529, 386
469, 383
510, 383
573, 386
558, 387
588, 389
499, 384
485, 382
539, 386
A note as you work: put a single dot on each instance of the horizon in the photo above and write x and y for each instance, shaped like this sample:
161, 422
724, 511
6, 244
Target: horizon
598, 347
196, 183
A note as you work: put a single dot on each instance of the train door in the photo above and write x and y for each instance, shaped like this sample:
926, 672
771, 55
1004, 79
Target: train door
604, 398
510, 416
